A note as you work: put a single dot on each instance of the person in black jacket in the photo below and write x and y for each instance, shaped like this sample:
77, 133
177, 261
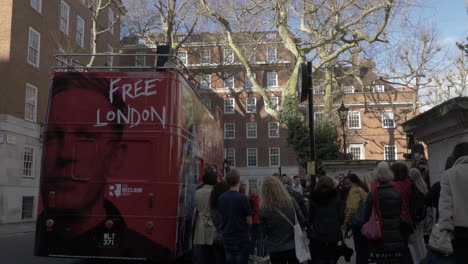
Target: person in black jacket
389, 248
326, 217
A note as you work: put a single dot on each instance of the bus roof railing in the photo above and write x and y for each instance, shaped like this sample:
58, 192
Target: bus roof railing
69, 62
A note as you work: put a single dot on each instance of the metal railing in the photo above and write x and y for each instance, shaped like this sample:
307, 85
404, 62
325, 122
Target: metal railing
71, 62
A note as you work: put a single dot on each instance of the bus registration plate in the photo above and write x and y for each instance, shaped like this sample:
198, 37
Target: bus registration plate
109, 240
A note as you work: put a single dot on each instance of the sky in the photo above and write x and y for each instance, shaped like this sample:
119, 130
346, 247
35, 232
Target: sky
449, 16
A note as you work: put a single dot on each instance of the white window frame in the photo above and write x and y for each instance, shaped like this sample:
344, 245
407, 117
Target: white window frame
205, 81
251, 105
140, 60
272, 55
270, 35
110, 20
80, 31
227, 79
352, 114
248, 82
378, 88
388, 115
274, 101
31, 47
233, 161
272, 77
229, 106
229, 127
254, 130
348, 89
37, 5
183, 56
270, 155
28, 172
318, 90
30, 102
270, 129
205, 57
385, 152
318, 117
249, 155
228, 56
64, 17
361, 149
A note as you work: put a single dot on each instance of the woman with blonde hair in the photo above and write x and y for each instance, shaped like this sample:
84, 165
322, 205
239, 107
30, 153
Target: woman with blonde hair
416, 243
277, 211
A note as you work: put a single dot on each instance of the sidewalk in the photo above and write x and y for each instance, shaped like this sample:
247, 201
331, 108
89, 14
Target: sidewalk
15, 228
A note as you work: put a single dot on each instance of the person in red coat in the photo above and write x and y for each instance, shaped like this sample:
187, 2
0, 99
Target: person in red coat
257, 234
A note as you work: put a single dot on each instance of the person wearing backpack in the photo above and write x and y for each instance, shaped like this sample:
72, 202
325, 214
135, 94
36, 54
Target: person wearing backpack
418, 212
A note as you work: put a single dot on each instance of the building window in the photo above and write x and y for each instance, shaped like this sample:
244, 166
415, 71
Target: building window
251, 130
253, 184
183, 56
251, 105
348, 89
111, 21
141, 41
140, 60
207, 101
378, 88
388, 120
36, 5
274, 157
229, 105
230, 156
318, 117
27, 208
110, 58
205, 57
205, 81
229, 131
272, 79
318, 90
80, 31
274, 101
250, 55
28, 162
270, 36
273, 129
30, 103
357, 151
248, 82
271, 55
228, 81
354, 119
34, 45
64, 17
390, 152
228, 56
251, 157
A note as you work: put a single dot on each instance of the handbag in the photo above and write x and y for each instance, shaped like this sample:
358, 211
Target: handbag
373, 228
437, 244
301, 242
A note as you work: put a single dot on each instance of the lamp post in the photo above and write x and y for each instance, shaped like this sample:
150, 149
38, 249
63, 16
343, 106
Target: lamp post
343, 114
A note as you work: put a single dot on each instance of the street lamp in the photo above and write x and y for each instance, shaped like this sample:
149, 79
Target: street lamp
343, 114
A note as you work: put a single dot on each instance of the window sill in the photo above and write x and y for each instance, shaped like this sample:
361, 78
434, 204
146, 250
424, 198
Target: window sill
28, 177
33, 66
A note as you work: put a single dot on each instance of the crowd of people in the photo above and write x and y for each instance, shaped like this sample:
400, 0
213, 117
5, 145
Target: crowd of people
394, 215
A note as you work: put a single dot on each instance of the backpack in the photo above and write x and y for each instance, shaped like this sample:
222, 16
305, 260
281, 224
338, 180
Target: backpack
418, 207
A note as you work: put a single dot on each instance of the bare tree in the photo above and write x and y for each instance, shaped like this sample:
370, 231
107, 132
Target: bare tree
101, 23
413, 59
317, 29
162, 21
458, 75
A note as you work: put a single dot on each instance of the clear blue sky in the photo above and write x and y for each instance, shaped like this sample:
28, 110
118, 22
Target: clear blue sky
449, 16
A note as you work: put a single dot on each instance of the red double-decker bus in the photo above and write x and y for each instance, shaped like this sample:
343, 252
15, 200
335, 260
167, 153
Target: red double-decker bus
123, 153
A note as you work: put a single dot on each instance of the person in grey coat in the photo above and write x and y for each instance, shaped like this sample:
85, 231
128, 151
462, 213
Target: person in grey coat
453, 202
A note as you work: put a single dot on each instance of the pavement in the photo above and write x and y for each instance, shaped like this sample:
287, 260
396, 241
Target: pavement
17, 228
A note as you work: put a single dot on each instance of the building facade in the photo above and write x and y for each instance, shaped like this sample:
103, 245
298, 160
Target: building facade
33, 31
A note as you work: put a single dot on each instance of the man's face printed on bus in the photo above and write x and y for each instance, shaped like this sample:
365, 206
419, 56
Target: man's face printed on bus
79, 155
